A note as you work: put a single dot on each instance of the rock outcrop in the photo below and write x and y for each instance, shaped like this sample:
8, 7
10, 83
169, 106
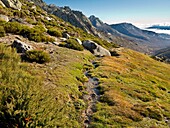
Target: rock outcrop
1, 3
95, 48
99, 25
79, 41
14, 4
66, 35
21, 46
76, 18
4, 17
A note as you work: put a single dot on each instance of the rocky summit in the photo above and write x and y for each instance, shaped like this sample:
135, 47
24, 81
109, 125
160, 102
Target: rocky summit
59, 69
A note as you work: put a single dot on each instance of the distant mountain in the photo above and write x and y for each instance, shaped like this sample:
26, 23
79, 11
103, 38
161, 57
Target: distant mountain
140, 40
99, 25
161, 27
130, 30
113, 35
152, 41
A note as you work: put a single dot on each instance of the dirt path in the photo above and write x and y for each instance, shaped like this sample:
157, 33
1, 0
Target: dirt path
92, 97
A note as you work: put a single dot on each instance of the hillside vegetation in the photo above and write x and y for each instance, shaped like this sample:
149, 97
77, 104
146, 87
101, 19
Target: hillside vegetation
42, 95
135, 92
45, 88
37, 25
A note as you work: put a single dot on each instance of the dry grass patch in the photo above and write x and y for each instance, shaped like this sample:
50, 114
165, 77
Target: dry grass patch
136, 87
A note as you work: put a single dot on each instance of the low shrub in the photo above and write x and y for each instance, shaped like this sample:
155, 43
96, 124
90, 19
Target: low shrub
39, 37
73, 44
39, 28
2, 31
13, 27
34, 34
54, 32
37, 56
23, 100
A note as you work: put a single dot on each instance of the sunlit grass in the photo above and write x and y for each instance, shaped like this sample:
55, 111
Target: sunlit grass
134, 87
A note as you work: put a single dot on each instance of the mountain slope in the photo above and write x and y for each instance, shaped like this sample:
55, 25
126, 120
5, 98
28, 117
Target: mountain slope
76, 18
130, 92
97, 23
161, 27
134, 93
140, 40
153, 41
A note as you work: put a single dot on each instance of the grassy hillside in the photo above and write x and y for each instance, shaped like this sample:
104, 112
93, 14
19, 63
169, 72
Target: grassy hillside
42, 95
135, 92
134, 88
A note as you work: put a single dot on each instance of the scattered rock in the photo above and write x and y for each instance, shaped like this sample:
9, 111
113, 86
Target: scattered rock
2, 4
55, 43
34, 7
95, 48
21, 46
20, 20
66, 35
4, 17
79, 41
48, 18
14, 4
63, 39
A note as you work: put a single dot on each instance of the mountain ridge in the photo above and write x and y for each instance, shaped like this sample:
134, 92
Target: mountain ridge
147, 40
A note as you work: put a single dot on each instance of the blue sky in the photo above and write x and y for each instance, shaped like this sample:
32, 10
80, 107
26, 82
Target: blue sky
116, 11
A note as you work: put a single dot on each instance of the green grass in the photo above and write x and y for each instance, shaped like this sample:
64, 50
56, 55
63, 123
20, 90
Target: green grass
24, 100
64, 73
42, 95
134, 91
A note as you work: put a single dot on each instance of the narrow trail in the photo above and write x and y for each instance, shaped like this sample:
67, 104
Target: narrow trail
92, 97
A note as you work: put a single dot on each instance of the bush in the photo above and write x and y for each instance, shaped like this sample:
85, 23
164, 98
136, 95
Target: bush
54, 32
73, 44
2, 31
39, 28
39, 37
13, 27
35, 34
37, 56
24, 103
